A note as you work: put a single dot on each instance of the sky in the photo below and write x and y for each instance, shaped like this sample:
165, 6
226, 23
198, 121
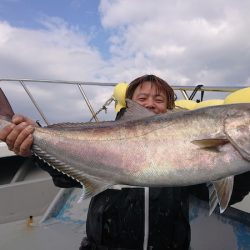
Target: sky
186, 42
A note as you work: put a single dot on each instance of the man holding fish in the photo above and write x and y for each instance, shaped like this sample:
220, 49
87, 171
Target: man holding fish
146, 218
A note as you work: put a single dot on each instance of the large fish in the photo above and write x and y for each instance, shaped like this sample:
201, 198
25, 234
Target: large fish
142, 149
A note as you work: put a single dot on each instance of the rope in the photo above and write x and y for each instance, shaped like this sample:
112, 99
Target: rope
104, 107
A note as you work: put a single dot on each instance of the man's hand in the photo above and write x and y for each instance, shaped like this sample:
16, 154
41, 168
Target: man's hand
18, 135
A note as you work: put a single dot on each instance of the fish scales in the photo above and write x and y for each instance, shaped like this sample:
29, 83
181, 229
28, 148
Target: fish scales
138, 154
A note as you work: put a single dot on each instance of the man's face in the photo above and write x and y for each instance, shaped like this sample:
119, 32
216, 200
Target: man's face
146, 95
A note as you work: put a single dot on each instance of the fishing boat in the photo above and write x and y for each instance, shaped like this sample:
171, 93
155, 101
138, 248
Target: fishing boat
34, 214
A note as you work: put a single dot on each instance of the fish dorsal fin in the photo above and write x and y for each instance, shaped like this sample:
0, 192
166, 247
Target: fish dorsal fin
135, 111
210, 143
71, 126
92, 185
220, 192
66, 124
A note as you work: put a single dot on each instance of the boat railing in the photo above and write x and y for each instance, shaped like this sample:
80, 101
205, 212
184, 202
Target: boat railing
81, 84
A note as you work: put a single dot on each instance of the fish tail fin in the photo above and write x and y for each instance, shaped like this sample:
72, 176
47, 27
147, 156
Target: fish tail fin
6, 111
220, 193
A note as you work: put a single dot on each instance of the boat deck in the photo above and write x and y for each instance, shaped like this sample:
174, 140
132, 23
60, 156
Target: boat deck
62, 227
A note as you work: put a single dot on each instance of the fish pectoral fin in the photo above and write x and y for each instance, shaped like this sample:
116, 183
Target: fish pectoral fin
93, 186
220, 192
210, 143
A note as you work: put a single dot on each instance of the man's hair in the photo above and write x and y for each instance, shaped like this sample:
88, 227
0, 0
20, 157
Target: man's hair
160, 84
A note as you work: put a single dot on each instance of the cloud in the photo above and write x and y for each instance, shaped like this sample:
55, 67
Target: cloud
185, 41
56, 52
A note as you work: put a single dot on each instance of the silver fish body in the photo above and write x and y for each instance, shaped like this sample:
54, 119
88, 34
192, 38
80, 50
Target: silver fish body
142, 149
159, 150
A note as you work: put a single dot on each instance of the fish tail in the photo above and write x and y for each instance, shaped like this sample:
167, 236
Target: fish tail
6, 111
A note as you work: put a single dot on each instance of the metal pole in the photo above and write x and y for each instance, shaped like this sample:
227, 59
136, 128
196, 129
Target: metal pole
184, 93
34, 102
87, 102
217, 87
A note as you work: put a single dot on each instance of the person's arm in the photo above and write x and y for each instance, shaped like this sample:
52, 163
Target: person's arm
18, 135
120, 114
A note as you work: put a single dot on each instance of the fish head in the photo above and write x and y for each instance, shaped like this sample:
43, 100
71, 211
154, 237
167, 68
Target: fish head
237, 128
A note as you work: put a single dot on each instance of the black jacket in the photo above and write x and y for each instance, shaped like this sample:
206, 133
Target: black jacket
116, 219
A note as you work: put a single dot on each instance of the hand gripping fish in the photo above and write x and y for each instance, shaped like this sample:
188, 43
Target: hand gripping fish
207, 145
